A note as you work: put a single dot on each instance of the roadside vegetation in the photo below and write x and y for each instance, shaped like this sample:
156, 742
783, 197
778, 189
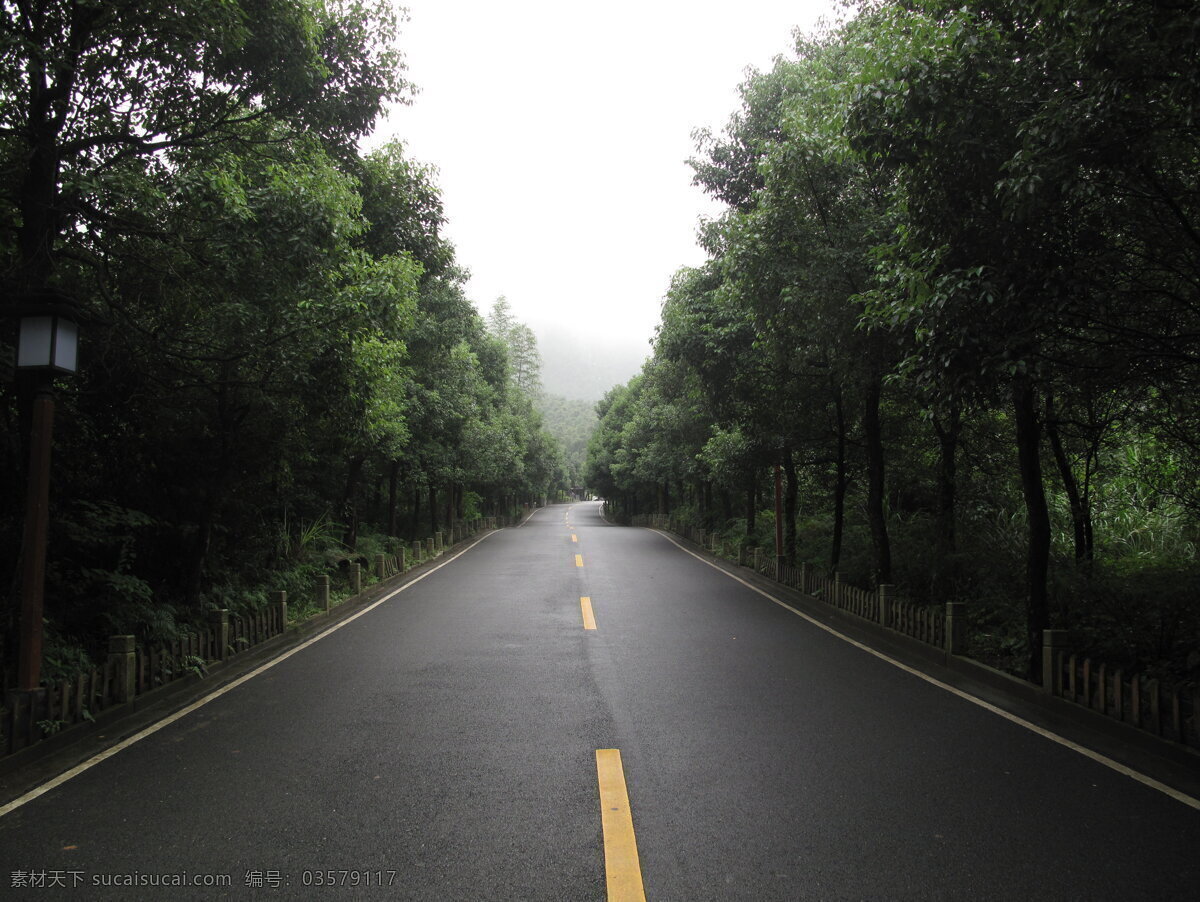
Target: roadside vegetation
954, 297
279, 368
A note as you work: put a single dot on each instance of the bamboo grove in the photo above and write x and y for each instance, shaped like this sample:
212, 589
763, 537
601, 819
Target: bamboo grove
954, 296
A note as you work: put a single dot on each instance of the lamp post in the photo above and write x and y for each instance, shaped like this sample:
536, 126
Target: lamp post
47, 345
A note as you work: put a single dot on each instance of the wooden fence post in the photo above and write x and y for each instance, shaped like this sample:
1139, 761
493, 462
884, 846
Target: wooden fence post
885, 603
323, 591
281, 610
400, 563
122, 663
355, 577
837, 588
381, 564
1054, 643
956, 627
218, 622
416, 551
805, 577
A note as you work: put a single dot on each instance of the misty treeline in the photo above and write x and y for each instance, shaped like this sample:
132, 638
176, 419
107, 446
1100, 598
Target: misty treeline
279, 368
955, 297
572, 421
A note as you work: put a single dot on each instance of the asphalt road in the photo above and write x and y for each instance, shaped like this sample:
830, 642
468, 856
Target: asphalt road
443, 746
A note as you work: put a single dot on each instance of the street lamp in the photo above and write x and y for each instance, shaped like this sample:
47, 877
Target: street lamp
48, 342
47, 345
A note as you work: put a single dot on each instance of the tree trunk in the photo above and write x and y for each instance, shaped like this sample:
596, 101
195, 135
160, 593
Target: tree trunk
433, 509
216, 487
841, 481
873, 433
1085, 494
1070, 484
945, 539
41, 219
1025, 410
791, 495
393, 482
752, 503
349, 508
198, 557
947, 478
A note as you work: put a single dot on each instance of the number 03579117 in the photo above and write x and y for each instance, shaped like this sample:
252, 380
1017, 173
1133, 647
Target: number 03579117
343, 877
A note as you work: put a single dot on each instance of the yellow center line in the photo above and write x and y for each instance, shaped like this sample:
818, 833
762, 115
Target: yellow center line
621, 865
579, 560
574, 538
589, 619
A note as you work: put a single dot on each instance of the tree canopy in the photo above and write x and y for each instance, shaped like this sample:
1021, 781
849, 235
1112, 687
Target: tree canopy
280, 368
953, 297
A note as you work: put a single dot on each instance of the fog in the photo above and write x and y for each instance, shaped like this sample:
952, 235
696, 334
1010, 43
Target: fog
561, 134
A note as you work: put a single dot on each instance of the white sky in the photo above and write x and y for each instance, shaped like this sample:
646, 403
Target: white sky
560, 131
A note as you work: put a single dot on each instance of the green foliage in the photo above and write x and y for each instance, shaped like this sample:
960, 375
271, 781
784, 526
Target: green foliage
954, 295
63, 657
280, 368
572, 423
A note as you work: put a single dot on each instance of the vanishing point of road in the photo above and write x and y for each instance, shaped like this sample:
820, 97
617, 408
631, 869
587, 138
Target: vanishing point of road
574, 711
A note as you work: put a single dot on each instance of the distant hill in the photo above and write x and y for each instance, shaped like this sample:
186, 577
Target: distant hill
572, 422
582, 369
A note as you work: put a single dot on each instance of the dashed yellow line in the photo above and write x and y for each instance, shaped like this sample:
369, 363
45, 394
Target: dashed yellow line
621, 865
589, 619
574, 538
579, 560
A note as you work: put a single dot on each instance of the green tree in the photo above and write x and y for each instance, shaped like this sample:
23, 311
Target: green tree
91, 87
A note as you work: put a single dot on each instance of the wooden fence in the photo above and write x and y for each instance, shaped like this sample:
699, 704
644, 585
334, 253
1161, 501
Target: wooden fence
130, 670
1168, 711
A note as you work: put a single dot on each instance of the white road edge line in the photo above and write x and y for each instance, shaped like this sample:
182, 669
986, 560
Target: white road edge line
1007, 715
200, 703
